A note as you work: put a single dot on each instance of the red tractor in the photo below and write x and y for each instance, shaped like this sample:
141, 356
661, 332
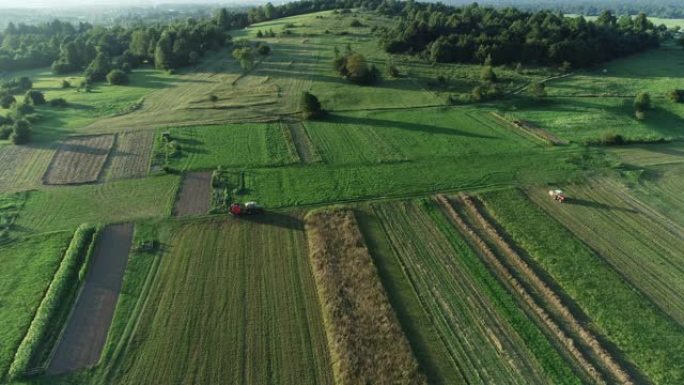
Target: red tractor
557, 195
249, 208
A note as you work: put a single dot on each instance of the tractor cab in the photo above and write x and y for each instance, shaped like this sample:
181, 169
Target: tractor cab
557, 195
249, 208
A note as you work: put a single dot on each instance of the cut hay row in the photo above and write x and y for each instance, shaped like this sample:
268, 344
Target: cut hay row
79, 160
488, 339
131, 155
506, 276
532, 130
366, 342
647, 338
582, 335
641, 243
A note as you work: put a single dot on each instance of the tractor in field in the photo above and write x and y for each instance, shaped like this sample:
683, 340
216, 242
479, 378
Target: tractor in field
557, 195
249, 208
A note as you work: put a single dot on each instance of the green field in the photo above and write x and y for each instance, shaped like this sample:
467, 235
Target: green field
27, 269
127, 200
223, 299
652, 341
243, 309
473, 326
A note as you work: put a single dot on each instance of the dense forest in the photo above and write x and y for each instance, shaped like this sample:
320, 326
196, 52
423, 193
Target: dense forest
654, 8
438, 32
475, 34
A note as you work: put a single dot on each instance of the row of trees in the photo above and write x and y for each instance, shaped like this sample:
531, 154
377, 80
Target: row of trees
472, 34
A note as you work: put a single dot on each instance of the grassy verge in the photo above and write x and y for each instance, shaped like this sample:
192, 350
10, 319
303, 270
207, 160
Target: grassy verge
58, 297
364, 336
646, 337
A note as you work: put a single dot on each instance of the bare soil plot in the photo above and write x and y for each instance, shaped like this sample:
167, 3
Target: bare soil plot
23, 166
79, 160
87, 328
131, 155
194, 196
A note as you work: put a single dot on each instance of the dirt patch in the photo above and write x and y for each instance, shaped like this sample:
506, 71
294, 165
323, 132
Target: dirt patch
194, 197
131, 155
79, 160
86, 331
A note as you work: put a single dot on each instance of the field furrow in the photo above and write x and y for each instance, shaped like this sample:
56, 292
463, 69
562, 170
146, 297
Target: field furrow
645, 246
646, 337
484, 345
241, 309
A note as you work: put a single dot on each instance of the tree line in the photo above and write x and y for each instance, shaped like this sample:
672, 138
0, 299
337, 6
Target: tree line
475, 34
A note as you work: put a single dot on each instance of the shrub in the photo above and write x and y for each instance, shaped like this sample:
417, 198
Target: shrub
213, 98
487, 74
58, 102
6, 100
21, 132
263, 50
642, 101
22, 109
353, 66
311, 107
611, 139
117, 77
538, 89
5, 132
676, 96
355, 23
34, 97
66, 84
59, 294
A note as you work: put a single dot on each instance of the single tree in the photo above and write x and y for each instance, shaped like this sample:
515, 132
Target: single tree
311, 107
487, 75
21, 132
538, 90
34, 97
642, 103
6, 100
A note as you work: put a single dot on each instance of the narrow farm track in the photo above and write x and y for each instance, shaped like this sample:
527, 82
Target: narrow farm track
548, 306
300, 138
642, 244
484, 348
86, 330
242, 309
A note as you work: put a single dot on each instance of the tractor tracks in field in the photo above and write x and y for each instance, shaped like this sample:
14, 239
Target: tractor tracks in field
547, 306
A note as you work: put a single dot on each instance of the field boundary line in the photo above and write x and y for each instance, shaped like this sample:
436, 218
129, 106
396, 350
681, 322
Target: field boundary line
514, 284
106, 167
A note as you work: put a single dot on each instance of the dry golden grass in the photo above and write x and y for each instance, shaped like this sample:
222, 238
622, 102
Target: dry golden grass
366, 342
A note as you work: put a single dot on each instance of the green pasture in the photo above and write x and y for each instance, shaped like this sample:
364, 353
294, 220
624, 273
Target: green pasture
27, 269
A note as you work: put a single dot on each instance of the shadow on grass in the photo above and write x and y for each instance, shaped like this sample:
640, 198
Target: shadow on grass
272, 218
597, 205
409, 126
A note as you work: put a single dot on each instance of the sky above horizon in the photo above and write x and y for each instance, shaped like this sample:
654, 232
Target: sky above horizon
112, 3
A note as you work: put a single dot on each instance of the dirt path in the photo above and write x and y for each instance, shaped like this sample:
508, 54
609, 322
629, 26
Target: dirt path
194, 197
86, 332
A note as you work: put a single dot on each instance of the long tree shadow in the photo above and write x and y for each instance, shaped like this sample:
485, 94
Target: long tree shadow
272, 218
597, 205
409, 126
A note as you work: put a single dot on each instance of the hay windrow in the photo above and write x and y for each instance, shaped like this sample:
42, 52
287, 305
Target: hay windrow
366, 342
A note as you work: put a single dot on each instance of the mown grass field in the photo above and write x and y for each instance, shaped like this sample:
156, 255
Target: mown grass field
645, 334
62, 208
242, 309
249, 145
27, 269
474, 331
